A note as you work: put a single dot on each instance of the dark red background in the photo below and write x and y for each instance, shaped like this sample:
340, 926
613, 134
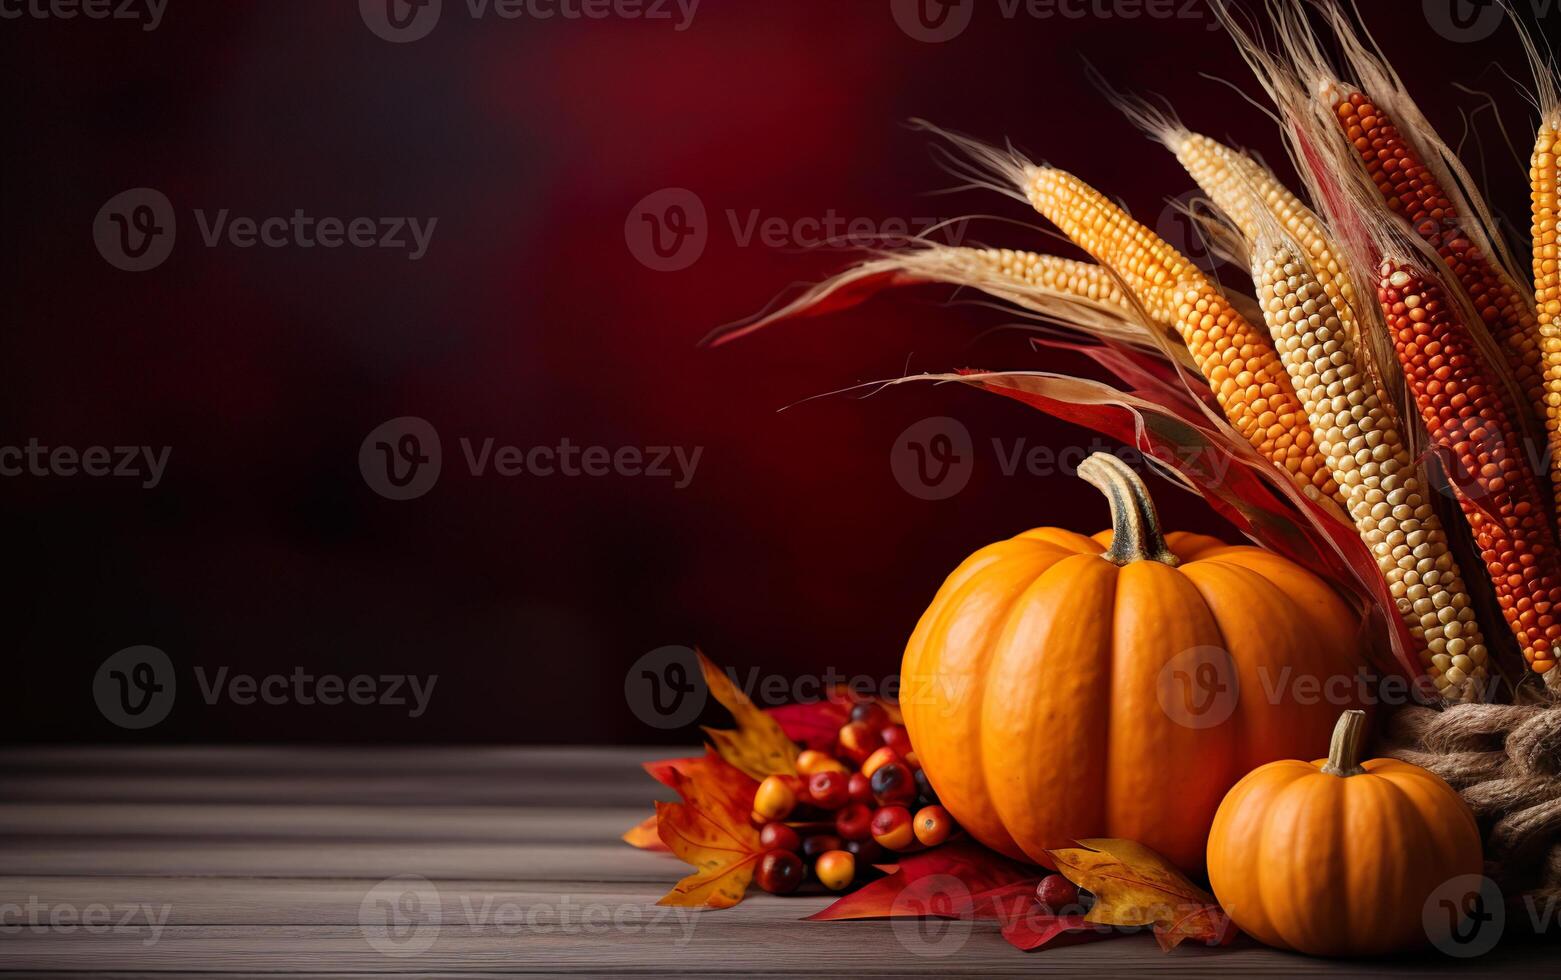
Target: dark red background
794, 549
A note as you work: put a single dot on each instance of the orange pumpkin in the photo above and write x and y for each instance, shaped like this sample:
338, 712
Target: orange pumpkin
1339, 858
1062, 687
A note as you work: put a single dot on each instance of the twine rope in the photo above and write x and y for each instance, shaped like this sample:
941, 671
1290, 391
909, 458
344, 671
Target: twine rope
1505, 761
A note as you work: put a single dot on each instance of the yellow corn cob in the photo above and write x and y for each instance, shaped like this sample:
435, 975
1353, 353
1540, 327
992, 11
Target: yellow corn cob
1231, 179
1368, 459
1240, 364
1051, 272
1543, 184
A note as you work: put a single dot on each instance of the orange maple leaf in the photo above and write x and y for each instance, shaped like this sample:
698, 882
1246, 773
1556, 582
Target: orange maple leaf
759, 746
709, 830
1134, 886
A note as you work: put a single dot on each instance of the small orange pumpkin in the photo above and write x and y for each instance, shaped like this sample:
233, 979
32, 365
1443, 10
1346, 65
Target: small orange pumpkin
1341, 858
1062, 687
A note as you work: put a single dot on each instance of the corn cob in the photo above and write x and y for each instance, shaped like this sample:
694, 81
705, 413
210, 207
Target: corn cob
1409, 187
1240, 364
1543, 184
1231, 179
1382, 489
1464, 414
1052, 273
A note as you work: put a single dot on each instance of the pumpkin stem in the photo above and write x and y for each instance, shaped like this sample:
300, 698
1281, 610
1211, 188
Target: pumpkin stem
1135, 534
1344, 750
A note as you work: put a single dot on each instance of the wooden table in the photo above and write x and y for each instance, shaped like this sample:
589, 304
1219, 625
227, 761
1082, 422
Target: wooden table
448, 861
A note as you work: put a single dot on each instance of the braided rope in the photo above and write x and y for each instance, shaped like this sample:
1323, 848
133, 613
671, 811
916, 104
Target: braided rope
1505, 761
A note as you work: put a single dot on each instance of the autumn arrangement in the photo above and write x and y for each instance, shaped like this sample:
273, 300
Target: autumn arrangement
1380, 415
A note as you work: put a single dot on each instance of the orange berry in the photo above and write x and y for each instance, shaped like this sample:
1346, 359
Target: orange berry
835, 869
774, 799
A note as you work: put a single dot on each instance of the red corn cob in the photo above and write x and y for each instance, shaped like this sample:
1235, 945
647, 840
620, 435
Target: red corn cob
1464, 414
1411, 189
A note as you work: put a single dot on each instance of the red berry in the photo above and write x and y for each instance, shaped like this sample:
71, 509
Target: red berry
867, 851
871, 714
829, 790
933, 825
854, 822
812, 761
856, 741
774, 799
897, 738
819, 843
775, 836
860, 789
835, 869
880, 758
779, 872
891, 827
1057, 894
893, 784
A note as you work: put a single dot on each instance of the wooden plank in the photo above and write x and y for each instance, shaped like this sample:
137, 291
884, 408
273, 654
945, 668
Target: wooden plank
197, 820
605, 861
710, 946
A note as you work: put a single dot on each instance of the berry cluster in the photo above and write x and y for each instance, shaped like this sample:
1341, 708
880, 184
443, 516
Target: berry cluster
847, 808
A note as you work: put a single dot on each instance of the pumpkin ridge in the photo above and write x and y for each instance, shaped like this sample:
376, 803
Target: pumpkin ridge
1030, 665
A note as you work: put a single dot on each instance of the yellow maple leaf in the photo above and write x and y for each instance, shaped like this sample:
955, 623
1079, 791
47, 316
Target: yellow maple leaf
758, 746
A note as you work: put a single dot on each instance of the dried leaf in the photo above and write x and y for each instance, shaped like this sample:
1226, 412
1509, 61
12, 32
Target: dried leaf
965, 881
709, 830
1134, 886
759, 746
644, 835
814, 724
